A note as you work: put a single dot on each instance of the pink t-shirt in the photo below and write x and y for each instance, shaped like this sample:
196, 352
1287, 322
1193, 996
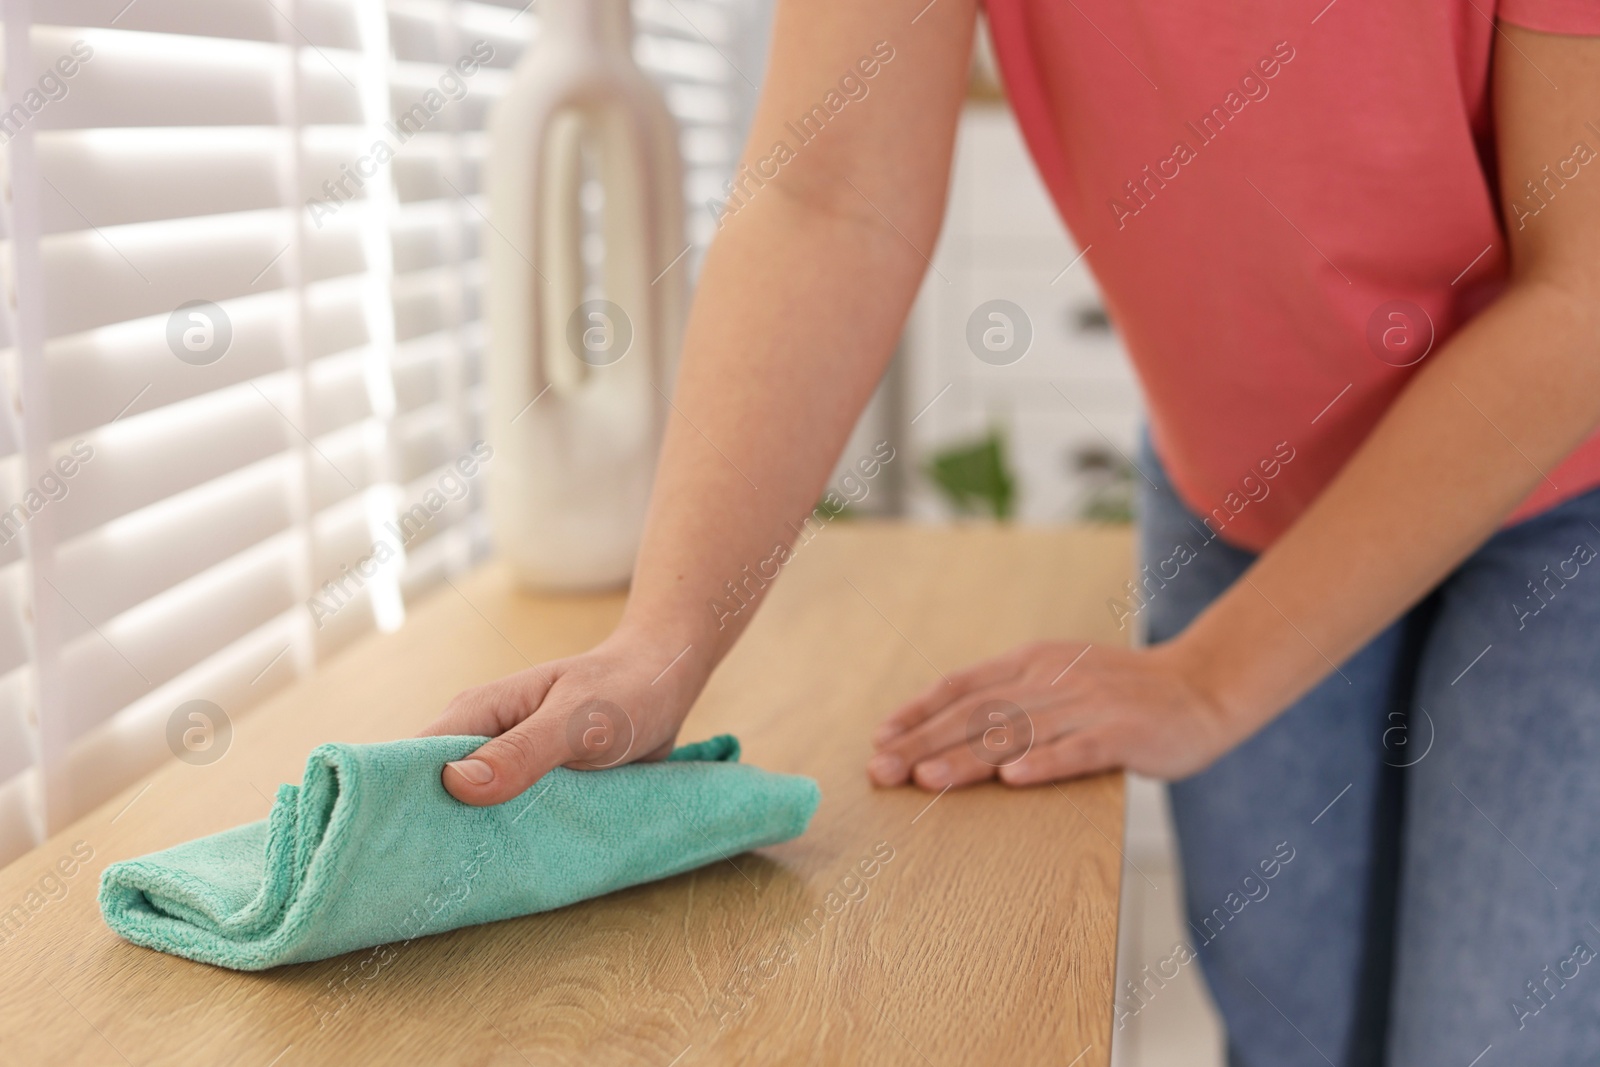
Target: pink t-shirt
1281, 202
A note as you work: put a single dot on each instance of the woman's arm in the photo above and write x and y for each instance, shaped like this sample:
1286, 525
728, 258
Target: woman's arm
1470, 437
801, 300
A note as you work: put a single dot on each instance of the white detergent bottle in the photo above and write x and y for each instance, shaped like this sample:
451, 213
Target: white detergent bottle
582, 346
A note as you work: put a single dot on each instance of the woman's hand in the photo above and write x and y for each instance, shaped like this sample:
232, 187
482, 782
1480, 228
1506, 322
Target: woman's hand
1055, 709
619, 702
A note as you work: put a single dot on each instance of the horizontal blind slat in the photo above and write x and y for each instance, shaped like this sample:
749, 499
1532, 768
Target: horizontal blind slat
124, 563
98, 277
115, 664
142, 79
98, 375
150, 458
323, 23
108, 177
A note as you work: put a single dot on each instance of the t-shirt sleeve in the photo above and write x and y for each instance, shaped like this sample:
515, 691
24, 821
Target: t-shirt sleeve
1576, 17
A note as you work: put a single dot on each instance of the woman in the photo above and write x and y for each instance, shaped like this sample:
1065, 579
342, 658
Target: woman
1354, 252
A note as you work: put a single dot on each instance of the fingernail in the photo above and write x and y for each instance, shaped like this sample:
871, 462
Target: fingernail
935, 774
886, 768
883, 733
1016, 774
473, 770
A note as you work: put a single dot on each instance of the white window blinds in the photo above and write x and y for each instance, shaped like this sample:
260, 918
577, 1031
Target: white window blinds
242, 342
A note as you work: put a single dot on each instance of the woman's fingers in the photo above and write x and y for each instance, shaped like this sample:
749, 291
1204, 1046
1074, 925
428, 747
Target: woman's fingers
507, 765
533, 729
1036, 723
917, 710
992, 729
1071, 756
896, 758
592, 711
944, 692
587, 734
490, 709
951, 768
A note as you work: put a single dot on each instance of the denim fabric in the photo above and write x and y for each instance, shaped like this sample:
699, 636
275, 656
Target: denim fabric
1441, 804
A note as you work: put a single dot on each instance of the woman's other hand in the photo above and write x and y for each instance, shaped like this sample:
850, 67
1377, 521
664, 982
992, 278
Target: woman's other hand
1051, 710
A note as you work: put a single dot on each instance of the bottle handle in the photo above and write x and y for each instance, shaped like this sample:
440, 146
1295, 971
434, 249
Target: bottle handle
576, 337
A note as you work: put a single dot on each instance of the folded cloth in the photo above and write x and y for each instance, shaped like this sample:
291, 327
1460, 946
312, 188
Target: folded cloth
370, 849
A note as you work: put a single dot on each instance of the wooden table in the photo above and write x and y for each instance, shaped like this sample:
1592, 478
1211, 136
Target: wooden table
988, 934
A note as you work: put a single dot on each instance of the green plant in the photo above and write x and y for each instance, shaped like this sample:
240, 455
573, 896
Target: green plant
975, 477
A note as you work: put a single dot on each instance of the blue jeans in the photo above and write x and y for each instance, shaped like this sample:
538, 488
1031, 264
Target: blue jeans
1439, 800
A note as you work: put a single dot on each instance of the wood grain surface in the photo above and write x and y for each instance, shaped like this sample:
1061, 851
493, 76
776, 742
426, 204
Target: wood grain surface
985, 932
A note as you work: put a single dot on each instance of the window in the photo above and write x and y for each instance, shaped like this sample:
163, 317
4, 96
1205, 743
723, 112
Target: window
239, 350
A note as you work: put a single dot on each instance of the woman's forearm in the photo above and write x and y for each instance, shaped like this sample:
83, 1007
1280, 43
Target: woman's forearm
796, 319
799, 305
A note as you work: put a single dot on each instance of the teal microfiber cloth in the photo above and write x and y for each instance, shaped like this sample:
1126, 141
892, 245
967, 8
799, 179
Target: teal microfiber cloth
370, 849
